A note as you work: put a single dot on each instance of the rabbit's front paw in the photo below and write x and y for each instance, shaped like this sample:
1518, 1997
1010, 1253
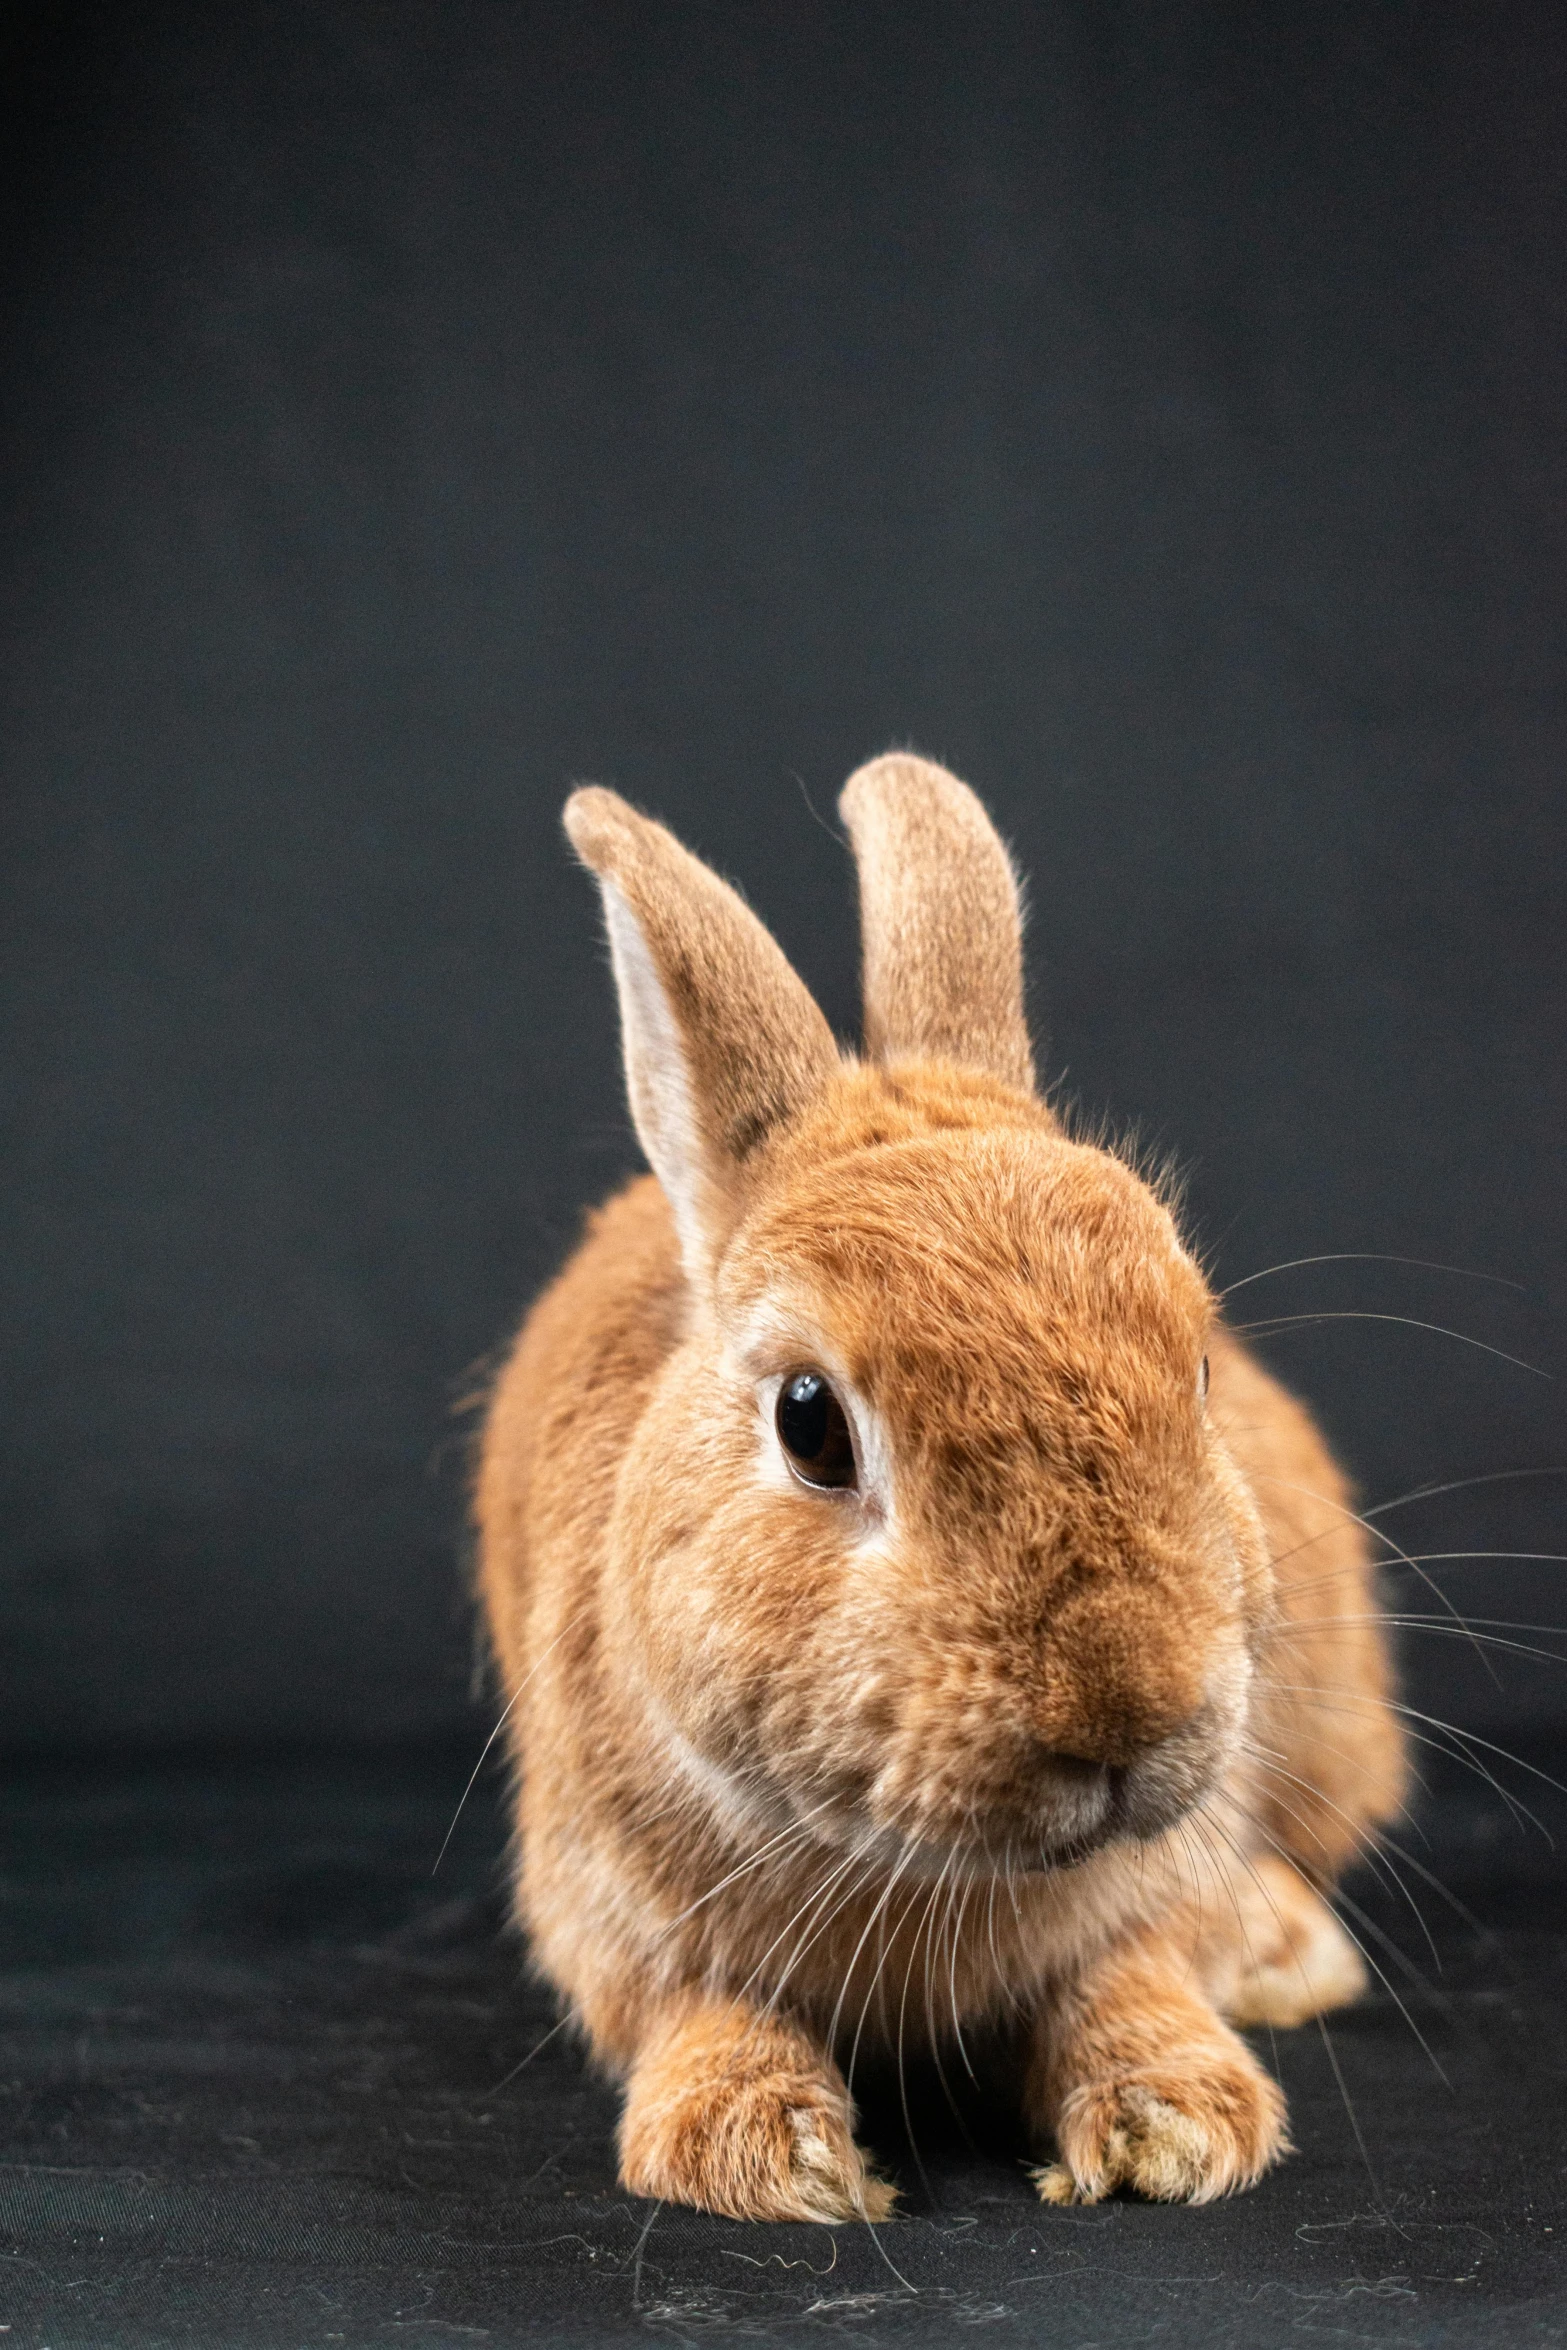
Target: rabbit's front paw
1177, 2137
710, 2120
753, 2149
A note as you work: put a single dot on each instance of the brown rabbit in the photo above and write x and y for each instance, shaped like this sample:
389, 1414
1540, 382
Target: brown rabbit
897, 1628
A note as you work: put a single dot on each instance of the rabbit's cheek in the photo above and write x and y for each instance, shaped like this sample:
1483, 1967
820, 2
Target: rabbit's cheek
723, 1615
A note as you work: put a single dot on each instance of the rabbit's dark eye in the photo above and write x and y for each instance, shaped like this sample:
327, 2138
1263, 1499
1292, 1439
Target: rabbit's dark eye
814, 1432
1202, 1381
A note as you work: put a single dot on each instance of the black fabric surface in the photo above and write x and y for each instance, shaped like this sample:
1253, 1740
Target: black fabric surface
408, 407
261, 2088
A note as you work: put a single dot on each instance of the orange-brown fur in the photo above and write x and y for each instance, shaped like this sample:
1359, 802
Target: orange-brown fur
803, 1772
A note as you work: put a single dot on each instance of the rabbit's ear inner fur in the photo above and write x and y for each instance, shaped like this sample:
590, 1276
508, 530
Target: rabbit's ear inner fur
941, 921
723, 1042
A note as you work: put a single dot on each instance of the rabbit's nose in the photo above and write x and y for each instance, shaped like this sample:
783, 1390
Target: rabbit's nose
1116, 1681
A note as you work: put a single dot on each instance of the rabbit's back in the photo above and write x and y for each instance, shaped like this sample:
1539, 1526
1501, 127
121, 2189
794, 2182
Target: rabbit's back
1324, 1720
561, 1417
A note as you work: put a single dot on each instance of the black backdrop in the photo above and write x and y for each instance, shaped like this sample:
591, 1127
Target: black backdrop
415, 406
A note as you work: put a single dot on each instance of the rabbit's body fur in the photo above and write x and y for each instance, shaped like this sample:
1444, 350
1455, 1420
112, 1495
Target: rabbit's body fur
1063, 1710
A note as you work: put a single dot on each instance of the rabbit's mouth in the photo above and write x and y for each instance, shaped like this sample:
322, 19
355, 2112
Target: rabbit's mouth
999, 1846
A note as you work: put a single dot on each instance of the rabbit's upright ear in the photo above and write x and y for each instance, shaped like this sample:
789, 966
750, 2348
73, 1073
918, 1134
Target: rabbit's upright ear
941, 921
723, 1042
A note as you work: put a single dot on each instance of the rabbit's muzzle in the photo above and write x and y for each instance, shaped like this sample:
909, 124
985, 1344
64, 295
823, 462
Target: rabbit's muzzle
1011, 1794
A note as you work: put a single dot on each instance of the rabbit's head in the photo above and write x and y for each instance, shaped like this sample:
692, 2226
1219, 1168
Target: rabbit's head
924, 1537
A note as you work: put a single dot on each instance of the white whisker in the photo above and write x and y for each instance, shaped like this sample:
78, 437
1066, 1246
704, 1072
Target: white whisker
1440, 1329
1362, 1256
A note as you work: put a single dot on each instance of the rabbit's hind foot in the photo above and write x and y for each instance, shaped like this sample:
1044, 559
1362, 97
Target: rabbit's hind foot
1291, 1958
